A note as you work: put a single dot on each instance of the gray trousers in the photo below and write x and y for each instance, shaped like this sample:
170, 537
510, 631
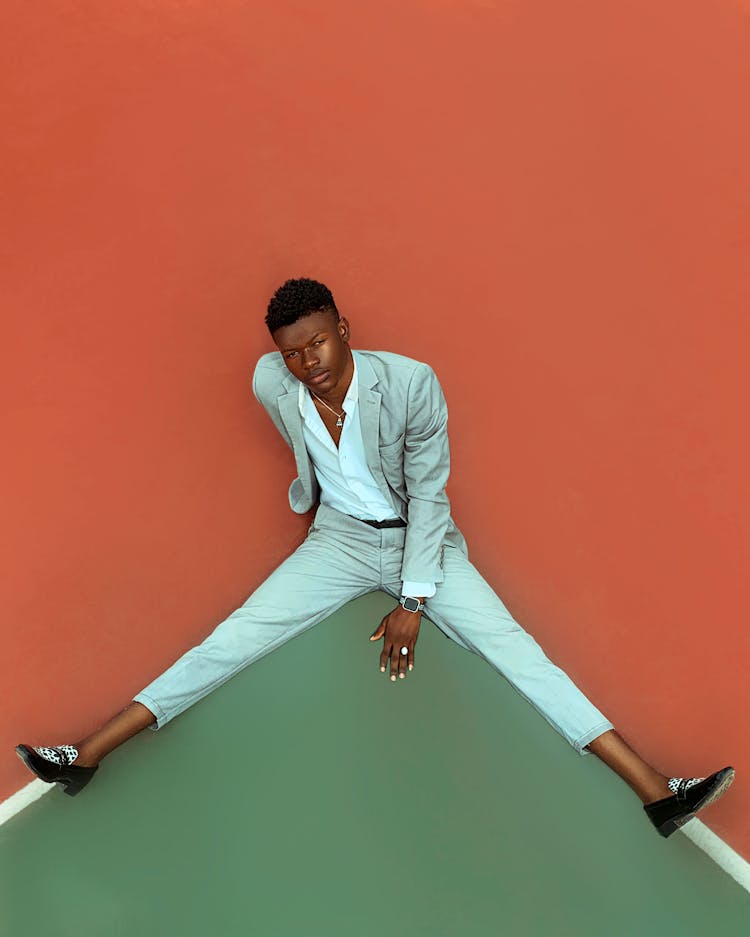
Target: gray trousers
340, 559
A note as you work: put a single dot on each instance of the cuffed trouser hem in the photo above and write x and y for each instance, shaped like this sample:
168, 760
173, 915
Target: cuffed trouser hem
149, 703
580, 744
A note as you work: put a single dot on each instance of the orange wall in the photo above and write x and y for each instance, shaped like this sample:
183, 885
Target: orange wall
545, 201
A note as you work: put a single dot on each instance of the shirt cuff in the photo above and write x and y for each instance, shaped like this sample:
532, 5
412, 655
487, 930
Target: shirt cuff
418, 589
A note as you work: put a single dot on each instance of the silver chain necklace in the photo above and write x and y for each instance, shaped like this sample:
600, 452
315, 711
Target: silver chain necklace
339, 415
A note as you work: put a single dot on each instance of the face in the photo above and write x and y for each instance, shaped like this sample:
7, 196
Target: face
315, 349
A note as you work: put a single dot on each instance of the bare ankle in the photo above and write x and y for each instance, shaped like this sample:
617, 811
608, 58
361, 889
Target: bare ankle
656, 791
87, 758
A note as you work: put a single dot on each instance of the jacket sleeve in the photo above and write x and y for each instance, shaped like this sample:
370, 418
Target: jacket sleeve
426, 470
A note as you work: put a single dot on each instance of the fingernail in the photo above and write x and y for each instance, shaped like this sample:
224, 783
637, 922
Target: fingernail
393, 677
382, 669
411, 666
401, 675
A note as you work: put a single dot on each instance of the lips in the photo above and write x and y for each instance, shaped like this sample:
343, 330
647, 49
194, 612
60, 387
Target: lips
318, 378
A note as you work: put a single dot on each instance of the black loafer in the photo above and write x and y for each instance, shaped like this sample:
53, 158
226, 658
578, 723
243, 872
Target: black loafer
72, 778
669, 814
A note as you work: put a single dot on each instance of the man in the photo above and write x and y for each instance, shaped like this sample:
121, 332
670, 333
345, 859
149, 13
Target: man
368, 433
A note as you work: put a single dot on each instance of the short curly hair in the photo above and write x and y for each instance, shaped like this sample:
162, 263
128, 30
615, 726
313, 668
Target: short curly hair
297, 298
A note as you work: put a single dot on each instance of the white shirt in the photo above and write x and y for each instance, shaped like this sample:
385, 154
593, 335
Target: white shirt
346, 483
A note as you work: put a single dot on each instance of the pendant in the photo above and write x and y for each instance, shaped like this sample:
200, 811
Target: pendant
338, 422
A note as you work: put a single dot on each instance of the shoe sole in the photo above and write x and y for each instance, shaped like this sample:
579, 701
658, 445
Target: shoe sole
716, 793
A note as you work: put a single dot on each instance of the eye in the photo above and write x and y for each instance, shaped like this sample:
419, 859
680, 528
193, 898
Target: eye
319, 341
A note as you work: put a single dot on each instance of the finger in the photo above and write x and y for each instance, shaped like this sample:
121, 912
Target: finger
395, 654
403, 659
379, 631
411, 657
386, 653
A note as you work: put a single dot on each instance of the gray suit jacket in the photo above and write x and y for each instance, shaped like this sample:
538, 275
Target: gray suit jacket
404, 420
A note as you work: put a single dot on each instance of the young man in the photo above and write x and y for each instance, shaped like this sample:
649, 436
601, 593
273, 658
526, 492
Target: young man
368, 433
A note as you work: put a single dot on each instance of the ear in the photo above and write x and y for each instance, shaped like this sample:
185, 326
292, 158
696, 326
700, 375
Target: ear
343, 325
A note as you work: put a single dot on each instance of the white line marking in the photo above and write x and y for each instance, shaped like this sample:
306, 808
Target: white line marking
696, 831
21, 799
715, 848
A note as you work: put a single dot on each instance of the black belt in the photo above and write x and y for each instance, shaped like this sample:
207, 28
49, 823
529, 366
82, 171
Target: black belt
393, 522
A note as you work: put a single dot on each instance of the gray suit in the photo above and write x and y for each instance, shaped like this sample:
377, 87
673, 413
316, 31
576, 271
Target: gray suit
404, 420
403, 417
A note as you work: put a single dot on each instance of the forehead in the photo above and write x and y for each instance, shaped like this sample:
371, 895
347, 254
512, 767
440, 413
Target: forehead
302, 331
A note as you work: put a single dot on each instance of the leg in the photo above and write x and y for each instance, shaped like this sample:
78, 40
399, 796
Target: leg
322, 574
669, 802
468, 610
119, 729
646, 781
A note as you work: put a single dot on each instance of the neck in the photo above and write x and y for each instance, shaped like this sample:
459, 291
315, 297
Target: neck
335, 396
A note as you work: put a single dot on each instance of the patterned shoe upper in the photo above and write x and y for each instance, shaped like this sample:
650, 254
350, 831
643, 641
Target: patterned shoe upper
679, 786
59, 754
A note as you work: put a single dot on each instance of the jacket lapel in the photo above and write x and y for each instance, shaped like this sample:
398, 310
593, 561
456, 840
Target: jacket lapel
369, 418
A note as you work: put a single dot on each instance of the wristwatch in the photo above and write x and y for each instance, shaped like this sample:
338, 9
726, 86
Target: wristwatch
411, 604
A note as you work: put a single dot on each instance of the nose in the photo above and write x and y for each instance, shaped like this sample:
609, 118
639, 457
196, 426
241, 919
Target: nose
308, 359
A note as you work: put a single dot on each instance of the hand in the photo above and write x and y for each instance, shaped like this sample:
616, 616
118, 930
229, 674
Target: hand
399, 629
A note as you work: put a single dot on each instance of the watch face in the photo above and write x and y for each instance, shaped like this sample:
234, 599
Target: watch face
411, 604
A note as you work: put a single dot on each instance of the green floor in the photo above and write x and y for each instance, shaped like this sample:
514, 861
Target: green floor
310, 795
